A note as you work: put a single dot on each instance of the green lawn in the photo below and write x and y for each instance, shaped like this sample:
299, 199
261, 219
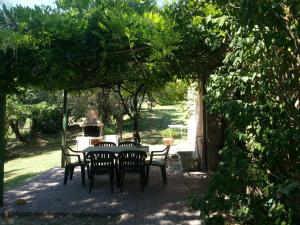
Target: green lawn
27, 160
17, 170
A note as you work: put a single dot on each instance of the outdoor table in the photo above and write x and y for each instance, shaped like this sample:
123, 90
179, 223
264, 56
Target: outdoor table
115, 149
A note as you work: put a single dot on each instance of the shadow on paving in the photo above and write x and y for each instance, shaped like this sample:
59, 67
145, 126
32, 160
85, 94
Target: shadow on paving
45, 194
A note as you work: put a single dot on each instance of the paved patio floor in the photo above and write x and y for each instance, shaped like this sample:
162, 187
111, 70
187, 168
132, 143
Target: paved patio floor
158, 204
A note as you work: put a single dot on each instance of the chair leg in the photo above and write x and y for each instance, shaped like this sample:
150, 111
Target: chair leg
164, 174
142, 179
118, 176
83, 175
91, 183
111, 180
67, 169
71, 172
88, 170
122, 174
147, 174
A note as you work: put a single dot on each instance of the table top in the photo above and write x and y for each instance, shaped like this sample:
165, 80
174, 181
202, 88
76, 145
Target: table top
115, 149
179, 126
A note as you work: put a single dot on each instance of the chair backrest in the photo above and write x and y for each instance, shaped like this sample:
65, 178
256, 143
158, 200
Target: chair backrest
105, 144
92, 131
65, 153
127, 143
101, 161
163, 155
64, 150
132, 161
166, 152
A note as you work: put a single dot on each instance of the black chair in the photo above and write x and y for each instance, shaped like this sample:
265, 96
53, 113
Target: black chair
131, 161
105, 144
91, 131
127, 143
102, 162
158, 158
68, 153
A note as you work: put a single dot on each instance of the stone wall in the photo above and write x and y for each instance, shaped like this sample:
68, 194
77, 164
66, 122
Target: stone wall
195, 131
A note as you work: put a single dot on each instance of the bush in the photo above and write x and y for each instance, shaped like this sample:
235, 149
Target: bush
46, 118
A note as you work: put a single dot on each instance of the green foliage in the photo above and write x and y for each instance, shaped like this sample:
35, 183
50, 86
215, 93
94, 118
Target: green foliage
41, 107
257, 92
171, 93
170, 132
201, 47
46, 118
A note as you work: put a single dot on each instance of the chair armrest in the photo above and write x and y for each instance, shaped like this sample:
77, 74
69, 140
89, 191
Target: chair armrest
152, 155
78, 156
70, 149
79, 152
159, 151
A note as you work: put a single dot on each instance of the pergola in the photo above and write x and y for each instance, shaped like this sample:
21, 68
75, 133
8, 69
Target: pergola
73, 63
82, 86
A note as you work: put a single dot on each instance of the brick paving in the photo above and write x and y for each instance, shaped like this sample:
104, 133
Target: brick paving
158, 204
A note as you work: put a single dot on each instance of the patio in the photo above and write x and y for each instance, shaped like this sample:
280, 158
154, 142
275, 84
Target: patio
159, 204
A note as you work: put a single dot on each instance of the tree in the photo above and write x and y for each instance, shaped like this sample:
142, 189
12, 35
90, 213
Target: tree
171, 93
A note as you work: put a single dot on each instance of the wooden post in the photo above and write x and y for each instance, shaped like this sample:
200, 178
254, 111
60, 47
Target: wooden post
64, 125
205, 163
2, 144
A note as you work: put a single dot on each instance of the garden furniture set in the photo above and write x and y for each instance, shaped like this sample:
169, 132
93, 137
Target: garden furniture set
106, 158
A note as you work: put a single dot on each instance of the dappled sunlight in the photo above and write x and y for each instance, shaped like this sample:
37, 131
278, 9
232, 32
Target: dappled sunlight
158, 204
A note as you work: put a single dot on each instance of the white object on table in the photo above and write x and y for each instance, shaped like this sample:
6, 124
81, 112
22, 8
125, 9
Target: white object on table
112, 138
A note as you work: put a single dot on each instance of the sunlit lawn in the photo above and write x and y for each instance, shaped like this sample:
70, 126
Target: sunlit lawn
27, 160
17, 170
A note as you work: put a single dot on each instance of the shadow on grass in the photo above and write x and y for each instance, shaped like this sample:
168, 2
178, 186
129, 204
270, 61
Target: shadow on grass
47, 143
152, 122
18, 180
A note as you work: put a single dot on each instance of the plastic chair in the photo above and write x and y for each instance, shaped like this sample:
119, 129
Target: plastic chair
102, 162
105, 144
131, 162
127, 143
68, 153
158, 158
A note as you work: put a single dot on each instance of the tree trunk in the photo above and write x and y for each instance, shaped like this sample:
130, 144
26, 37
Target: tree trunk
33, 129
120, 123
14, 125
136, 133
2, 143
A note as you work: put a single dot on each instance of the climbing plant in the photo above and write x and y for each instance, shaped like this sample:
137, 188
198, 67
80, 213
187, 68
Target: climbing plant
257, 91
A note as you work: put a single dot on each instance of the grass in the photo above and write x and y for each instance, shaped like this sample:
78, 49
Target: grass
20, 169
154, 123
24, 161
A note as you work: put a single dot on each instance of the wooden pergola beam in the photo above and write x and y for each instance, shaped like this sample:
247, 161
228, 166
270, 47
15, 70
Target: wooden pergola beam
64, 125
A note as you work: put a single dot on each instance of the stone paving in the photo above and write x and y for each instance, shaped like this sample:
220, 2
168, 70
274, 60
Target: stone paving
158, 204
